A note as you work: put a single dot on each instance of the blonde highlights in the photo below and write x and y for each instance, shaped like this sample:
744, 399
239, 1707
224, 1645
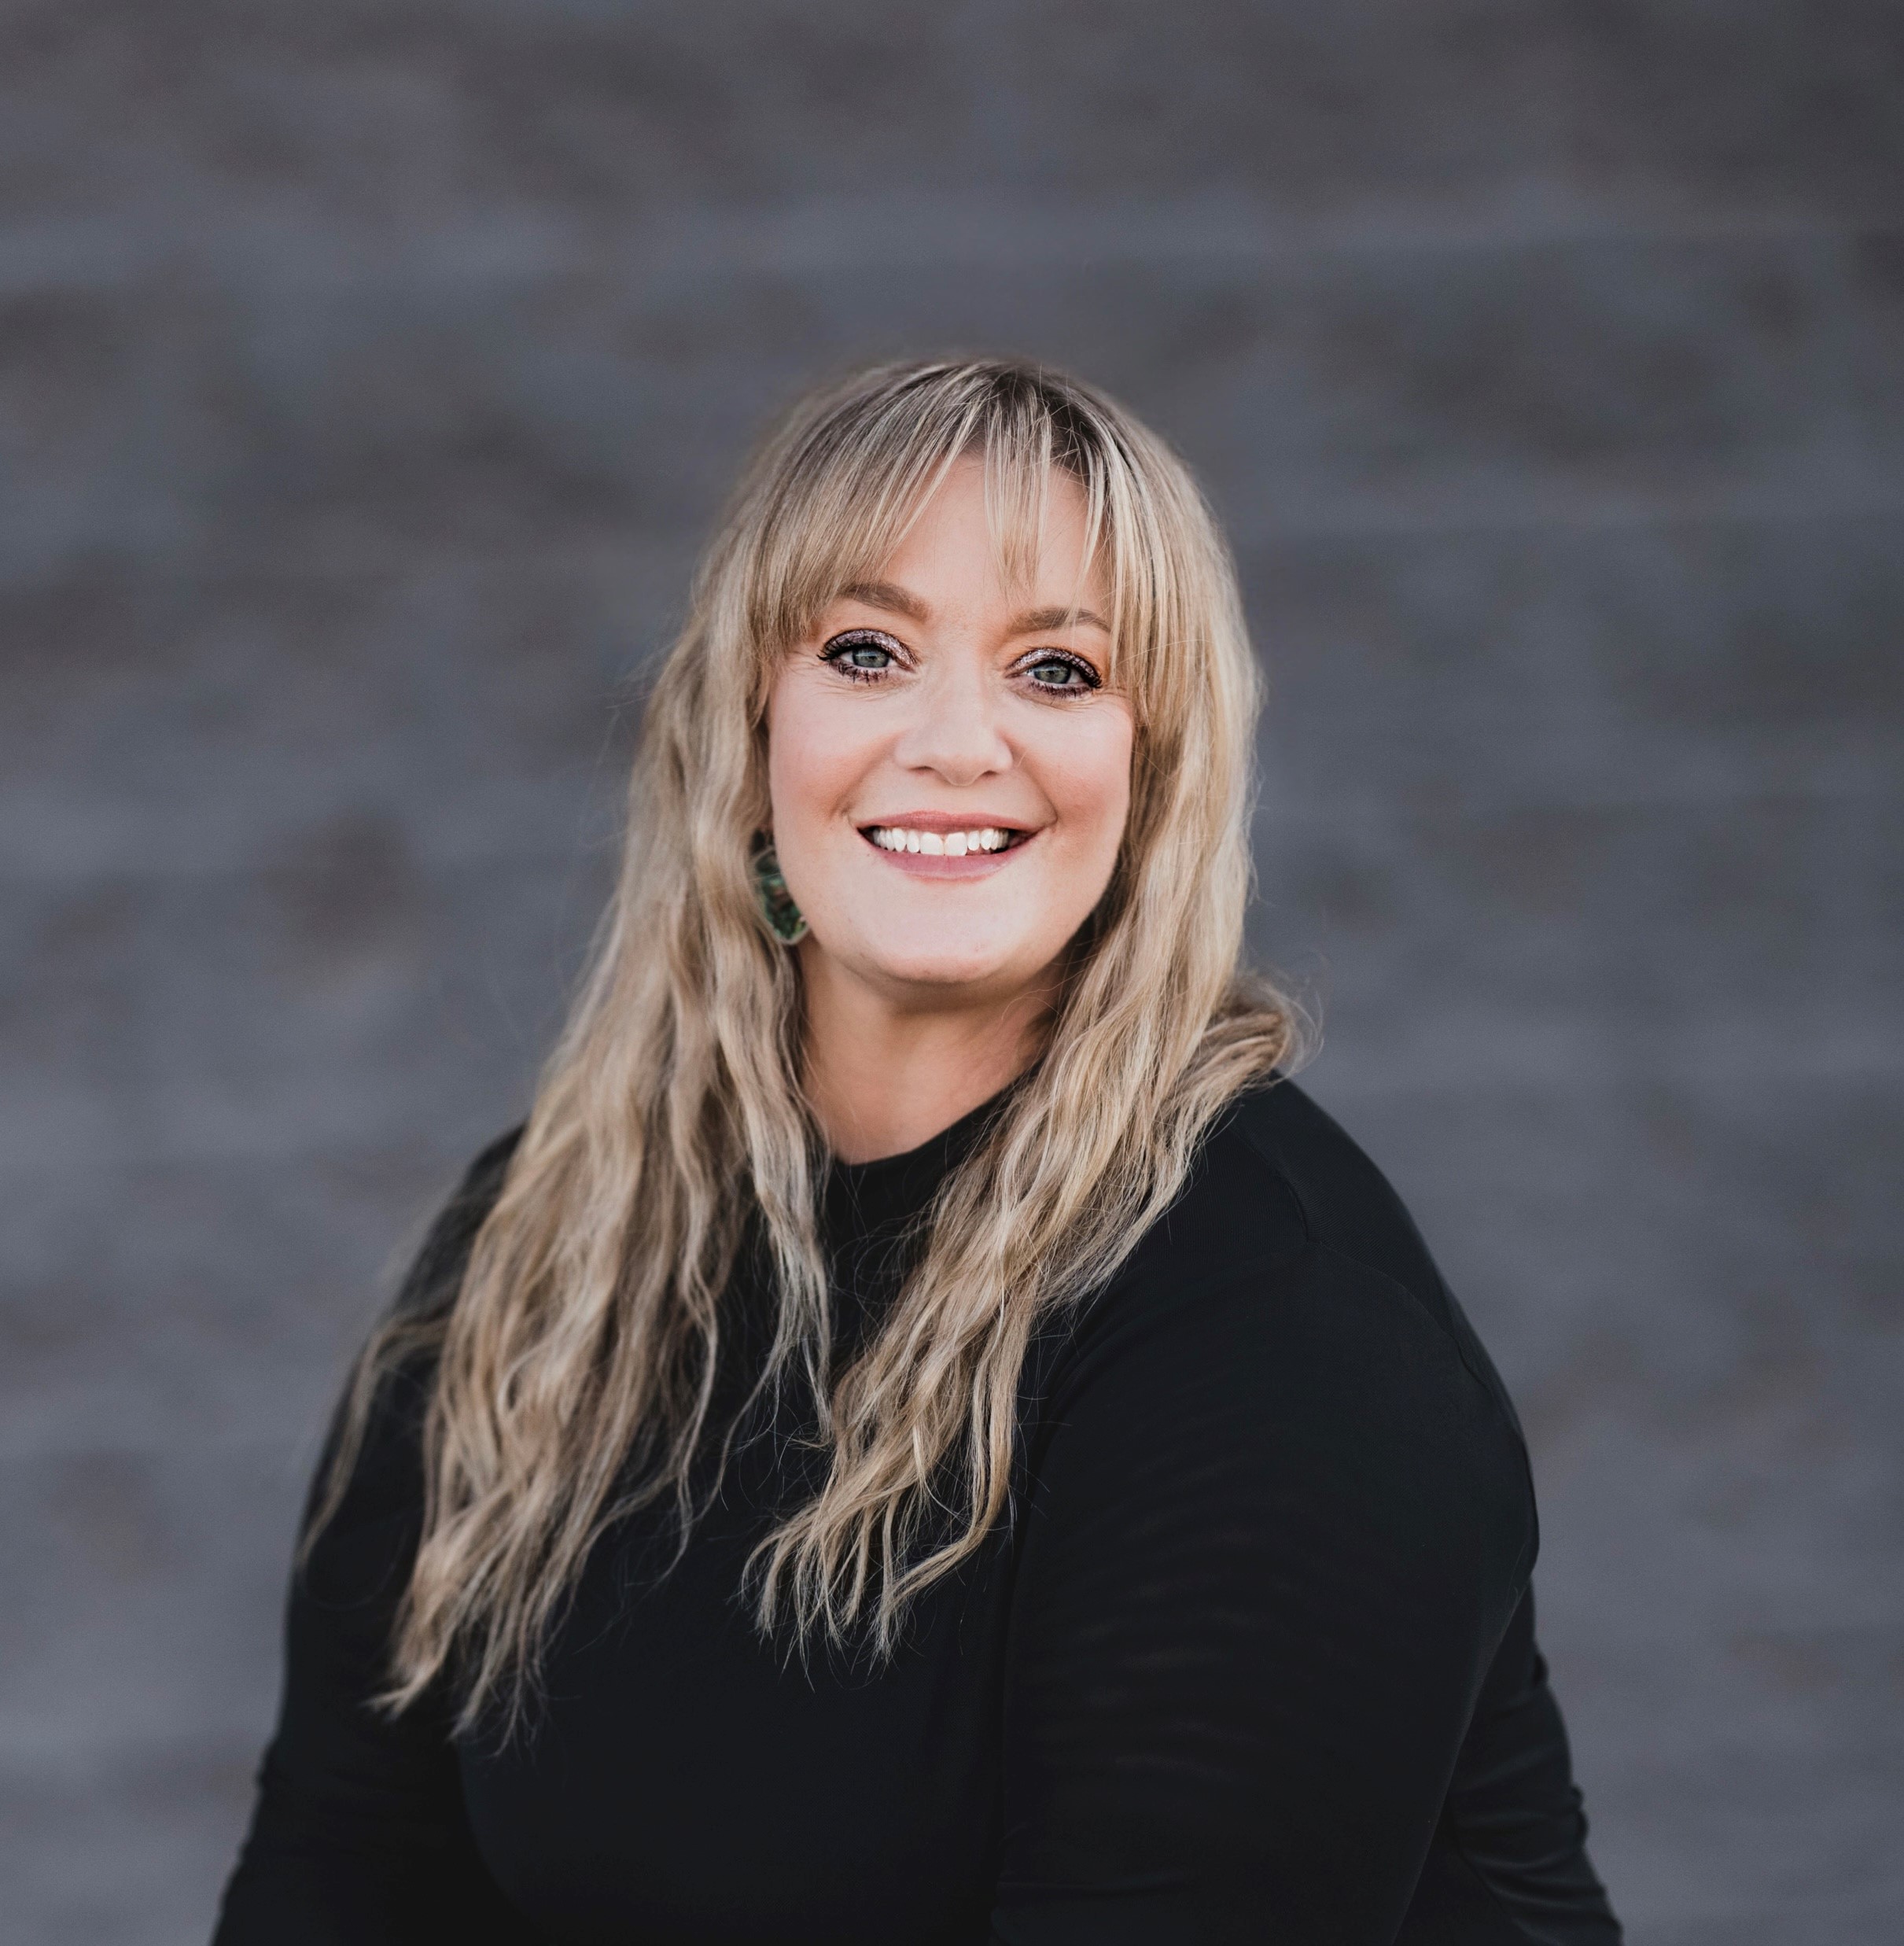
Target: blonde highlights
571, 1370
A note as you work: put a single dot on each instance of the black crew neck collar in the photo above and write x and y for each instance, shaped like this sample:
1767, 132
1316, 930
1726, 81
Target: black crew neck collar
898, 1187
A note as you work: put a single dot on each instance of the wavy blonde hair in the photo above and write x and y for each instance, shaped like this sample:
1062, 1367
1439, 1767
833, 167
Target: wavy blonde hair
571, 1380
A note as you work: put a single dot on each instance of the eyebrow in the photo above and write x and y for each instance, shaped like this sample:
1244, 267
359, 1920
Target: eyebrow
898, 601
1036, 620
889, 596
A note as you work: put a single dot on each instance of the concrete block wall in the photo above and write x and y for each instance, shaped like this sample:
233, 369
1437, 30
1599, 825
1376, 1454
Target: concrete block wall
368, 377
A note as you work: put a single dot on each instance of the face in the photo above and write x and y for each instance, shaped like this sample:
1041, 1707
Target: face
948, 765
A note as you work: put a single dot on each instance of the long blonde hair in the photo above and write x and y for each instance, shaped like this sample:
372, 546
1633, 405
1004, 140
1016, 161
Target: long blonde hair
571, 1380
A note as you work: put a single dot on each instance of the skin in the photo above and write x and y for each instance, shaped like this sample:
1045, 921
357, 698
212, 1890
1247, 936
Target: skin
957, 702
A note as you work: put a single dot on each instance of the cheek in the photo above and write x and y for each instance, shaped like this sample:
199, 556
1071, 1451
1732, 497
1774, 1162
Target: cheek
1087, 774
812, 753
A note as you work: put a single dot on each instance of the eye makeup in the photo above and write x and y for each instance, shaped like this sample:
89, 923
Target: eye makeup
1087, 677
855, 653
866, 655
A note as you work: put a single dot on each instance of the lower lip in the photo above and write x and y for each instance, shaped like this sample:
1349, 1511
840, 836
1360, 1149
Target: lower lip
975, 864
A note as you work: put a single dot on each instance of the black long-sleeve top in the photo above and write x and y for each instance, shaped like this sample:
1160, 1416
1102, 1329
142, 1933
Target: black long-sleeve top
1254, 1660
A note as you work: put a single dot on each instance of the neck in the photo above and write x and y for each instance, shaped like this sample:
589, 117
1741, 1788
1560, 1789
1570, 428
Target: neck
884, 1075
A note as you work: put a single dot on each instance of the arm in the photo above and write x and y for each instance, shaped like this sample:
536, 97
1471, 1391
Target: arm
358, 1837
1514, 1810
1273, 1544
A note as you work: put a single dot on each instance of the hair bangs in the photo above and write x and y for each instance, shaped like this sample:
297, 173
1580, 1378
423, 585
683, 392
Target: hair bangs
839, 489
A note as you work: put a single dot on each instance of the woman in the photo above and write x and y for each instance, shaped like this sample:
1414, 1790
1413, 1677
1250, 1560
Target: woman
925, 1435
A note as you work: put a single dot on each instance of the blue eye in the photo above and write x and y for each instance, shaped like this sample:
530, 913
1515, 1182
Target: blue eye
1059, 672
861, 652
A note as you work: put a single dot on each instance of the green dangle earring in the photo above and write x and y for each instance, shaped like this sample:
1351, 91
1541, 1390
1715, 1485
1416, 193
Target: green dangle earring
788, 921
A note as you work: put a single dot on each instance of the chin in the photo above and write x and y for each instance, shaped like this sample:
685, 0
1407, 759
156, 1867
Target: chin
944, 965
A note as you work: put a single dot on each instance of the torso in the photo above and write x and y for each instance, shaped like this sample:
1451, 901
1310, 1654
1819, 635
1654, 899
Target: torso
687, 1782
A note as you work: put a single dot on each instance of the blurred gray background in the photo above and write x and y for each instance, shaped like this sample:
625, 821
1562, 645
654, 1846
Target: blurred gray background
369, 375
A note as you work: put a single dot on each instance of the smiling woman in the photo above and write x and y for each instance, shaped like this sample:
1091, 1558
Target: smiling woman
926, 1435
949, 771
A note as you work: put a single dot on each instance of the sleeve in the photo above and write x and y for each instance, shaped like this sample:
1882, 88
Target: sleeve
1273, 1540
1514, 1811
358, 1836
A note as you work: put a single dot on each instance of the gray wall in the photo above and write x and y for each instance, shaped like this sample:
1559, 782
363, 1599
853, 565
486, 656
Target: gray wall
368, 374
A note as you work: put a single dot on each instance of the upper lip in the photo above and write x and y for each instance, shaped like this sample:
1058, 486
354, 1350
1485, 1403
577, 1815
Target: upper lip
942, 821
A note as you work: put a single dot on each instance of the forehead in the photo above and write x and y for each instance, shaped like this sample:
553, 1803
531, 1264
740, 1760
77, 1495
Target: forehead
975, 537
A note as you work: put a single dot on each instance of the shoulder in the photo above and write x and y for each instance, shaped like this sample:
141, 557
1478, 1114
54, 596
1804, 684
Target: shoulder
1344, 1202
435, 1272
362, 1524
1276, 1180
1279, 1186
1351, 1214
1287, 1294
402, 1353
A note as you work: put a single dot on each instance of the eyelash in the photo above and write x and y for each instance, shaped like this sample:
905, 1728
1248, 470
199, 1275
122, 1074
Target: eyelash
1090, 678
837, 649
840, 645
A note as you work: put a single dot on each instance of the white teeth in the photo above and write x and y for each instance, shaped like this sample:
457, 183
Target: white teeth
937, 844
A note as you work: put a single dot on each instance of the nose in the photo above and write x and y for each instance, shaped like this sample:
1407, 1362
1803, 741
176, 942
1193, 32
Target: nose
956, 729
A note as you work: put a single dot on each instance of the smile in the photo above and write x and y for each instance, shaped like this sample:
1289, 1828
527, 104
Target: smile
940, 844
